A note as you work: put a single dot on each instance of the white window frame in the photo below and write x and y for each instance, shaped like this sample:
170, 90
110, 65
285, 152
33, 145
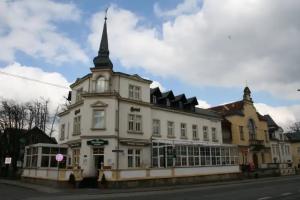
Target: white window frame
134, 92
170, 129
214, 134
205, 133
77, 125
195, 131
135, 156
135, 123
94, 119
183, 130
100, 84
156, 127
78, 94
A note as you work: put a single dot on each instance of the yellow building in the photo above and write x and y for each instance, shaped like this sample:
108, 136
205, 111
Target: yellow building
294, 138
245, 127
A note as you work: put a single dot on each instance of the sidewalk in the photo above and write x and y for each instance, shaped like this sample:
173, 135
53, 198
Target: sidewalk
35, 187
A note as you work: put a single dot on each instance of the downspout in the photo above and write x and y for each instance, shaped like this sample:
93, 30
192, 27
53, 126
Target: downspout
118, 130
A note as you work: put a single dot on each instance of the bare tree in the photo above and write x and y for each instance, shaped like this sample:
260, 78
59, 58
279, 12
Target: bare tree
24, 115
295, 127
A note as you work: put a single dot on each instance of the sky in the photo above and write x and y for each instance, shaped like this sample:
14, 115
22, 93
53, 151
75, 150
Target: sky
210, 49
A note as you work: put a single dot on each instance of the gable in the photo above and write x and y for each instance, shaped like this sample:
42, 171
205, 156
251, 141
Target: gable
99, 104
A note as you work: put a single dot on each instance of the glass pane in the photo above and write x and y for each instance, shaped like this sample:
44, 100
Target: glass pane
45, 150
45, 161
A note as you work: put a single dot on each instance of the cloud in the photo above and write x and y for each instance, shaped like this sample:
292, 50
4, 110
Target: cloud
31, 27
284, 116
202, 104
222, 44
186, 7
22, 90
155, 84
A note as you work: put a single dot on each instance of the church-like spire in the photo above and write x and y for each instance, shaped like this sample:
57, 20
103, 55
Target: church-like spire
247, 94
102, 60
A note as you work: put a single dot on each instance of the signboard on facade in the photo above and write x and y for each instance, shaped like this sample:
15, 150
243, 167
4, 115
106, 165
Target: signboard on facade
97, 142
7, 160
75, 145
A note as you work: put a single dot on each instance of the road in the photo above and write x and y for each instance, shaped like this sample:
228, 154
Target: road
287, 188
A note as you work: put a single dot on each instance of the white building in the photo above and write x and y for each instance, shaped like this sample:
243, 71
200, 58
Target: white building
116, 123
280, 145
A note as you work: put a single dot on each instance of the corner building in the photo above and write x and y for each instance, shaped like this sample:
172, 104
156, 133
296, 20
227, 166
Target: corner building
115, 124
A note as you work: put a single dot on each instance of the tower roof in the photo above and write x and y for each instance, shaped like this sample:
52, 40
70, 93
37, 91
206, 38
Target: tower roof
102, 60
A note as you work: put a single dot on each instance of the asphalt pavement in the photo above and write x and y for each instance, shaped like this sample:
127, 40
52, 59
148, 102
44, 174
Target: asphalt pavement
287, 188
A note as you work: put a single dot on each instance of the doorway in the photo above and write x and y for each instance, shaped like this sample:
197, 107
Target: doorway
255, 160
98, 154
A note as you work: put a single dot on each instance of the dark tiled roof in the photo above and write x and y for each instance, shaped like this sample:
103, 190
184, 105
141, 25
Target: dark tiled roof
260, 117
155, 91
235, 108
271, 123
207, 112
192, 100
180, 97
293, 136
168, 94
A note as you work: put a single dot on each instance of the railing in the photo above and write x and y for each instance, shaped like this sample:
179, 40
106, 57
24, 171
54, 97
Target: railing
256, 142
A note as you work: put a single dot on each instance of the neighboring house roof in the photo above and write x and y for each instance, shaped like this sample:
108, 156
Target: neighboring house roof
35, 135
234, 108
271, 123
293, 136
207, 112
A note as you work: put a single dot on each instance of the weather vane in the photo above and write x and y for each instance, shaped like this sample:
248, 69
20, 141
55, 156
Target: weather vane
106, 13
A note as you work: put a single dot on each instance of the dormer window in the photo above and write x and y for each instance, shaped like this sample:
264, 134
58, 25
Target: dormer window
134, 92
100, 84
168, 102
78, 94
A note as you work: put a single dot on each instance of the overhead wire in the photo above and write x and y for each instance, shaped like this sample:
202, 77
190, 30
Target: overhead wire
34, 80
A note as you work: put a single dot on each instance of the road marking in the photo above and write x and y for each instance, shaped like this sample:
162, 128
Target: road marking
264, 198
286, 194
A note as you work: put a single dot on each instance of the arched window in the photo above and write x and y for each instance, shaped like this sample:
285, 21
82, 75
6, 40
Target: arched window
251, 128
100, 84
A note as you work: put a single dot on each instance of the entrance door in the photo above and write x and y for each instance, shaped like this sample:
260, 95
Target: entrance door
255, 161
98, 154
99, 160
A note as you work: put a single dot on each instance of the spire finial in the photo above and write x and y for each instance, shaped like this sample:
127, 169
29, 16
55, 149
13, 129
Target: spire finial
102, 60
105, 18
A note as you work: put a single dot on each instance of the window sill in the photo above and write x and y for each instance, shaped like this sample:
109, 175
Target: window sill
76, 134
136, 132
156, 135
184, 137
98, 129
206, 140
215, 140
196, 138
171, 136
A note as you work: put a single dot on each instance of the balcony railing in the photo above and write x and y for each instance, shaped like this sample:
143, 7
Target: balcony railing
256, 142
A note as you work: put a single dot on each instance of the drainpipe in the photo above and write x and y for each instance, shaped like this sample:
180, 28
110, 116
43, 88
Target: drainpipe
118, 131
